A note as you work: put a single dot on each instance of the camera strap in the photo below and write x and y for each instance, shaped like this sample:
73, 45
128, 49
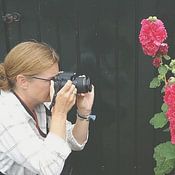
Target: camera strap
33, 114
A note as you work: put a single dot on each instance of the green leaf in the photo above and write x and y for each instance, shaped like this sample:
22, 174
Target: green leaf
173, 70
166, 168
159, 120
172, 63
154, 83
161, 77
167, 57
162, 70
164, 107
164, 154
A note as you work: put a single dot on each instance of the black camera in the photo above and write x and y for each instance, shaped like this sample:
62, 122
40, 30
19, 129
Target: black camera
81, 82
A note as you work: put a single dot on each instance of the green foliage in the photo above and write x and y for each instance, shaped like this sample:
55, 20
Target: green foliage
162, 70
155, 83
159, 120
164, 154
164, 107
167, 57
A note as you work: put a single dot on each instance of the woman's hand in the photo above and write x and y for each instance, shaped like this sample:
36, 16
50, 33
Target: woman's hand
84, 107
65, 99
85, 102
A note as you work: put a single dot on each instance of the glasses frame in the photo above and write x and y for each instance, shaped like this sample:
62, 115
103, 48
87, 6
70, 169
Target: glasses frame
44, 79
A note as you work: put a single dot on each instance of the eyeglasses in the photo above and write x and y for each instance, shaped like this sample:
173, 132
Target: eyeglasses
44, 79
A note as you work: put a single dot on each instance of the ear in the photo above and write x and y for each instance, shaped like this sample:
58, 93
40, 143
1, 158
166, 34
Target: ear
22, 81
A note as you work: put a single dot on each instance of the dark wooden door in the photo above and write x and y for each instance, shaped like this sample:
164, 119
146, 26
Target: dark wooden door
100, 38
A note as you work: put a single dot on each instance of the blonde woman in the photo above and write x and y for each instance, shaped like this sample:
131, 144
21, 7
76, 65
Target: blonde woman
26, 146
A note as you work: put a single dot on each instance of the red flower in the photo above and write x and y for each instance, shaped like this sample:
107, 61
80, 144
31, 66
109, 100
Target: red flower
163, 49
156, 62
169, 99
151, 48
170, 114
172, 131
152, 35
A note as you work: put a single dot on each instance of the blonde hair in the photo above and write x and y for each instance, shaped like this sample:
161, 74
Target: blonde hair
27, 58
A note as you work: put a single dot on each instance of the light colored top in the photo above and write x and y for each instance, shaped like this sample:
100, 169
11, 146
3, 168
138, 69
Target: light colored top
23, 151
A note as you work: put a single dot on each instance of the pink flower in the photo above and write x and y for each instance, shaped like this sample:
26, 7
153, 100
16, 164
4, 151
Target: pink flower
151, 48
170, 114
169, 99
156, 62
152, 35
171, 118
163, 49
172, 132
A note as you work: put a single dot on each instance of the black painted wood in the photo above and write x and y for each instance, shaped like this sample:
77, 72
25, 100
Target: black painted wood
100, 38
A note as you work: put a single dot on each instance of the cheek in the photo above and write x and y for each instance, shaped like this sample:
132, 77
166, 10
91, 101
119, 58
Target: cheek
42, 89
46, 90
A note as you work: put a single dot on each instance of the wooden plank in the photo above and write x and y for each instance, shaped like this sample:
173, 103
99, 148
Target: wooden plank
57, 23
98, 59
4, 42
48, 20
87, 36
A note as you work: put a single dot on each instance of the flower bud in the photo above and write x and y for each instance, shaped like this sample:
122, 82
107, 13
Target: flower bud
163, 49
156, 62
152, 18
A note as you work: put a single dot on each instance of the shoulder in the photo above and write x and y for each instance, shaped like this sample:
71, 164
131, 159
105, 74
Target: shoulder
6, 97
8, 101
11, 110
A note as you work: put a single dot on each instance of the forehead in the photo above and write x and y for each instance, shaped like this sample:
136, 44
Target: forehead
53, 70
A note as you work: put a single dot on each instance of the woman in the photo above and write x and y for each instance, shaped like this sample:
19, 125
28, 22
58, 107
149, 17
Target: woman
26, 147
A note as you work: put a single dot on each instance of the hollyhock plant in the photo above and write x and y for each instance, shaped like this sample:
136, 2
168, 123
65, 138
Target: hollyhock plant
152, 38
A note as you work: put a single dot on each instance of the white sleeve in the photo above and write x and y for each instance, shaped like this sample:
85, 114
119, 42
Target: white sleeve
74, 145
19, 142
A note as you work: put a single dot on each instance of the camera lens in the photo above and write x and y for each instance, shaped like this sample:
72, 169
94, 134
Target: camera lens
83, 84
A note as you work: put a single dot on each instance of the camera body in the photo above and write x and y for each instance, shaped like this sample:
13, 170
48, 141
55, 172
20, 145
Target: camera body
81, 82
